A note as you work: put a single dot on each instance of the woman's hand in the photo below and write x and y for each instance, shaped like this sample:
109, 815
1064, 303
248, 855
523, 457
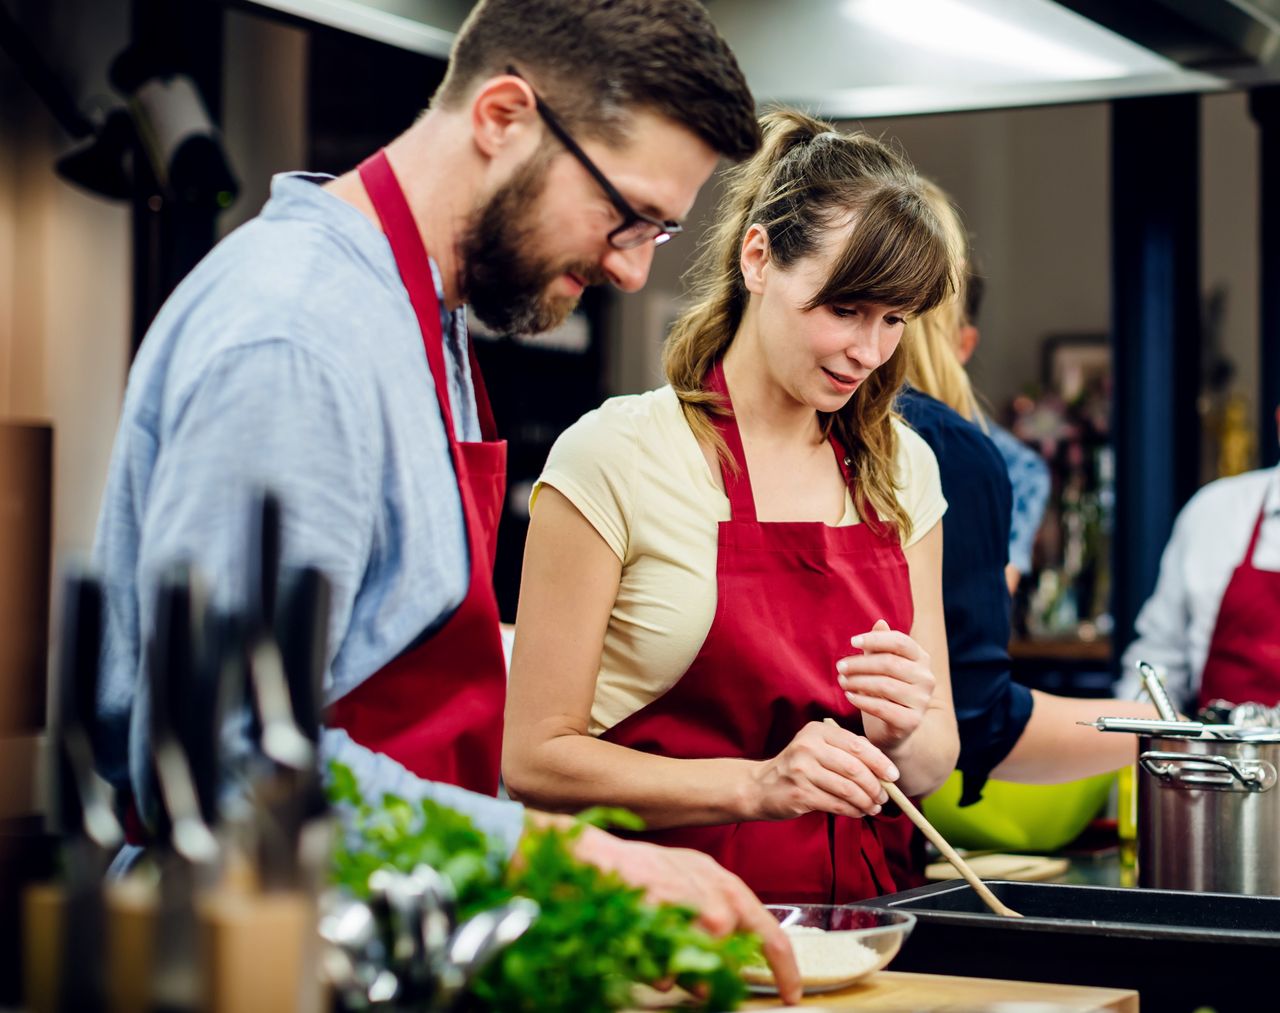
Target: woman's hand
825, 768
890, 682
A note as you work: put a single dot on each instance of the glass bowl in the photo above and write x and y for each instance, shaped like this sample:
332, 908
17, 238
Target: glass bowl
854, 941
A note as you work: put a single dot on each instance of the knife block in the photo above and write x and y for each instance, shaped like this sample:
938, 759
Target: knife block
260, 951
131, 912
42, 938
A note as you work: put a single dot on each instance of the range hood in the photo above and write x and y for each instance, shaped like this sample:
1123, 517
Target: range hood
868, 58
865, 58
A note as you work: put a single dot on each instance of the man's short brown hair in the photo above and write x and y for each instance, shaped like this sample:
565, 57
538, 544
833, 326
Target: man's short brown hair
596, 62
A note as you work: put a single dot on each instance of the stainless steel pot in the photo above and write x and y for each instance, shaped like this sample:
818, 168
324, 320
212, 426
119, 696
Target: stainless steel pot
1209, 811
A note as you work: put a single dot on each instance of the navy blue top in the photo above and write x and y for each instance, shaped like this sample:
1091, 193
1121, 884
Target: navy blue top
992, 710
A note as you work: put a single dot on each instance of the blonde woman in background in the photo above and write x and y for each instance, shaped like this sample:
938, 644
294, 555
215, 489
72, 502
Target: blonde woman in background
1007, 731
715, 567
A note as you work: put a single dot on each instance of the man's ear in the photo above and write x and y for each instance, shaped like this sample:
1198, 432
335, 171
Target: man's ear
503, 113
966, 343
754, 258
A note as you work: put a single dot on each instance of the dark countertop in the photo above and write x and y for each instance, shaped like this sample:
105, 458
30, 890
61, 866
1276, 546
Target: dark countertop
1107, 866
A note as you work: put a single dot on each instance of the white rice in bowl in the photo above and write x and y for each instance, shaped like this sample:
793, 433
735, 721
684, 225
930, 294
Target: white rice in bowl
825, 958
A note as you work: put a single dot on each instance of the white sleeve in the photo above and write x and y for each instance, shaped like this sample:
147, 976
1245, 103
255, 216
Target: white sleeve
1162, 626
919, 483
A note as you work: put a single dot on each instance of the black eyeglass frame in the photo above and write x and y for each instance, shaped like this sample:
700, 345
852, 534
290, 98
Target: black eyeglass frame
659, 231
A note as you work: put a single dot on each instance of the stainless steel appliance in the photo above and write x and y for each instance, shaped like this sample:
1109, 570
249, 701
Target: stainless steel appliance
1209, 811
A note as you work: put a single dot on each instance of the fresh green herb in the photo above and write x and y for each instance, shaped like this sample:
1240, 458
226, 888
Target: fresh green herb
595, 938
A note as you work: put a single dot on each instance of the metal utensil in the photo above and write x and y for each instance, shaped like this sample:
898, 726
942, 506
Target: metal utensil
418, 909
284, 790
477, 941
187, 850
1147, 726
302, 631
1154, 686
172, 671
437, 903
80, 812
940, 842
353, 957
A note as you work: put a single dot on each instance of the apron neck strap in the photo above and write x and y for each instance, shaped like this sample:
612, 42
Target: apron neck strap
737, 481
414, 265
484, 409
1257, 530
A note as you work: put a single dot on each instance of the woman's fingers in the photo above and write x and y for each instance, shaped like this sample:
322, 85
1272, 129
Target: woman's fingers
899, 691
901, 719
893, 642
825, 768
844, 796
854, 757
894, 665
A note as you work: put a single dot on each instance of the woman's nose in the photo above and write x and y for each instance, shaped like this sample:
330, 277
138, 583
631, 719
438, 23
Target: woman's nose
865, 348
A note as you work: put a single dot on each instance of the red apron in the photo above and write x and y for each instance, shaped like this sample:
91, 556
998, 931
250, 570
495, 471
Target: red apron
437, 708
1243, 665
789, 597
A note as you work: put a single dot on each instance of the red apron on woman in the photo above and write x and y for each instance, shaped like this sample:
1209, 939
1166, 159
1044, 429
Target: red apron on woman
437, 708
1243, 665
789, 597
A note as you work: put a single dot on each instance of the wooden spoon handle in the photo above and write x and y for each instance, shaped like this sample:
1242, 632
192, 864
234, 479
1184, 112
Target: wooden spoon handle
948, 852
940, 842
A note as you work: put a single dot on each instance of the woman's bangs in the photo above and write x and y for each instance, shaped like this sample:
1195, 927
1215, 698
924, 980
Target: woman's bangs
895, 255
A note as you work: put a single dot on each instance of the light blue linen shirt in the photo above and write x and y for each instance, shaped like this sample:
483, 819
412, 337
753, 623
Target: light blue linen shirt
291, 359
1029, 476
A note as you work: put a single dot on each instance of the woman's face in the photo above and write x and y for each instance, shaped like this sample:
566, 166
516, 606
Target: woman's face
820, 356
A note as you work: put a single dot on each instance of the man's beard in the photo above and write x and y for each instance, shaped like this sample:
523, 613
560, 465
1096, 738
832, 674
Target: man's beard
504, 279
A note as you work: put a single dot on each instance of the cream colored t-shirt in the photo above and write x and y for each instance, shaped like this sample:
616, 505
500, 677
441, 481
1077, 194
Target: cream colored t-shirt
634, 469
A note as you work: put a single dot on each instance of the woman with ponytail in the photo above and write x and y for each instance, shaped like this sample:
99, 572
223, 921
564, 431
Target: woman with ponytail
731, 615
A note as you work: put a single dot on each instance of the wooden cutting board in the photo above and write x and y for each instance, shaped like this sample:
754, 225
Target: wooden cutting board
1024, 868
897, 990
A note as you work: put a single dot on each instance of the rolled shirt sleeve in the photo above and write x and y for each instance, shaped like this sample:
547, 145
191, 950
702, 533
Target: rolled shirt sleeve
379, 775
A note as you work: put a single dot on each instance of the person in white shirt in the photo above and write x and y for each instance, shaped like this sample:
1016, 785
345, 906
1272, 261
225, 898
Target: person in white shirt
1213, 622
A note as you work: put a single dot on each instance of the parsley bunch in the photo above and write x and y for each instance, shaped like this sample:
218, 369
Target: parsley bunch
595, 937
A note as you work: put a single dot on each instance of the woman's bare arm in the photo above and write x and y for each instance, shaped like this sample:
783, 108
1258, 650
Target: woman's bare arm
902, 684
568, 589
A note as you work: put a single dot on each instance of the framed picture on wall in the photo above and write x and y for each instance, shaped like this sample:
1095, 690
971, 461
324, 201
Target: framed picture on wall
1074, 363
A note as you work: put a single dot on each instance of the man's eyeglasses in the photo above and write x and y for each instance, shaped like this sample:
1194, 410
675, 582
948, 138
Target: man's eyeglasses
636, 228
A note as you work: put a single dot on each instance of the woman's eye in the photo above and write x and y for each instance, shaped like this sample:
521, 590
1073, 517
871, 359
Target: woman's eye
843, 311
895, 321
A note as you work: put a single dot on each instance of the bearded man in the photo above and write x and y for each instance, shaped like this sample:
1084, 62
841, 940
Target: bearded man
321, 351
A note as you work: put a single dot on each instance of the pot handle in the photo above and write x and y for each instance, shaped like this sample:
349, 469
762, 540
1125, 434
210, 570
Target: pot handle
1196, 770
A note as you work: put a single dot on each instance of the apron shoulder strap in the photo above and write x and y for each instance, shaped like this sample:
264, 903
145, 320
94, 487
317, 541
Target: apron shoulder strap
1257, 530
737, 483
484, 409
415, 271
845, 461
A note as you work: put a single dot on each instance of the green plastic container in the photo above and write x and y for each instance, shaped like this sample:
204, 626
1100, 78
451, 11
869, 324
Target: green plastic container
1018, 817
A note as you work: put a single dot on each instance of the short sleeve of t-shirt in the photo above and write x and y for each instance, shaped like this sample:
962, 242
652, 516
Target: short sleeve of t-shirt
919, 483
594, 465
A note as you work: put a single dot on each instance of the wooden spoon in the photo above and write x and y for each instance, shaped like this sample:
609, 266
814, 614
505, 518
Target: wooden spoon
948, 852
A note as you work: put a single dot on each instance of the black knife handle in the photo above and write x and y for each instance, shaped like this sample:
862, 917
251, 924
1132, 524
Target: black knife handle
302, 630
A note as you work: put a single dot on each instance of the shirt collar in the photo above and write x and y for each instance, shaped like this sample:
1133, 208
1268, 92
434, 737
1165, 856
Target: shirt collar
302, 195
